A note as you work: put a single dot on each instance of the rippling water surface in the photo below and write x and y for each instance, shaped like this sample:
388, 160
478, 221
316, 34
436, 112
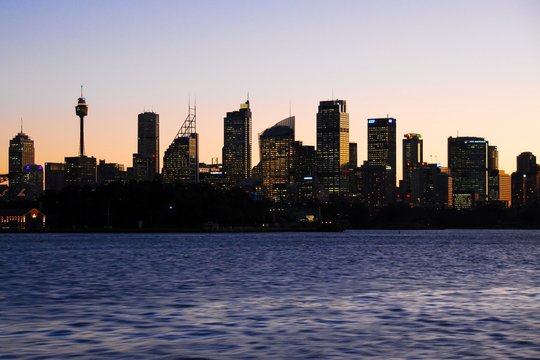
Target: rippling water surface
430, 294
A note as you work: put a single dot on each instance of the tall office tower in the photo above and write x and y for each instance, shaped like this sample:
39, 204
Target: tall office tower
413, 154
277, 154
494, 175
80, 170
468, 163
237, 144
54, 176
493, 158
524, 180
146, 160
353, 155
305, 171
21, 153
33, 182
382, 145
181, 159
333, 146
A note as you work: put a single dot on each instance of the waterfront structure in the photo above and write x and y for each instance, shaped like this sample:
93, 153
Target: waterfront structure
525, 180
468, 164
333, 146
146, 160
21, 154
237, 145
277, 154
22, 219
181, 159
54, 176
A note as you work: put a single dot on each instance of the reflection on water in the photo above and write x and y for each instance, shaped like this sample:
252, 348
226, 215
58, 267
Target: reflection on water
432, 294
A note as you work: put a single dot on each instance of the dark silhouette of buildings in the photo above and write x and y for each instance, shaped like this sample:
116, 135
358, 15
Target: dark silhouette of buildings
413, 155
80, 171
499, 184
333, 146
181, 159
237, 145
277, 159
146, 160
468, 164
525, 180
54, 176
382, 145
108, 173
353, 155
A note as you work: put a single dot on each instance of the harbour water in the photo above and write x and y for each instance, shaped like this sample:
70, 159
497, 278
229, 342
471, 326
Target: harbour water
381, 294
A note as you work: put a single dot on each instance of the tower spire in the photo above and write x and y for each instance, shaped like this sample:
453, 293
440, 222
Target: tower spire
81, 110
21, 125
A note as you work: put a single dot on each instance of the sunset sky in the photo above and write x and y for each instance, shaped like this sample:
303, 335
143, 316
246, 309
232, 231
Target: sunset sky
439, 67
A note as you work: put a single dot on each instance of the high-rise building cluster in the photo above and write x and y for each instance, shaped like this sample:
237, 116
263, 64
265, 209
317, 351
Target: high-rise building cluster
290, 172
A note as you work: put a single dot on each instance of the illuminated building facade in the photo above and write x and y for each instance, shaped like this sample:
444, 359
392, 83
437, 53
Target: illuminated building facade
277, 155
181, 159
382, 145
146, 160
468, 164
333, 146
21, 154
237, 144
80, 171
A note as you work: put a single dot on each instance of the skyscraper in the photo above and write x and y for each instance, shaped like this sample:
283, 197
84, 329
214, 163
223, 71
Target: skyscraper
382, 145
146, 160
277, 154
468, 163
413, 154
237, 144
181, 159
21, 154
333, 146
525, 180
353, 155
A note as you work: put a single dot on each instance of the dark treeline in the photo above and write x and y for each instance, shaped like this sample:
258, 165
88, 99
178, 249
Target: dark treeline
193, 207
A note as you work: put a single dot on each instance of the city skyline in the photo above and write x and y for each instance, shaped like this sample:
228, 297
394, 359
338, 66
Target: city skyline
439, 69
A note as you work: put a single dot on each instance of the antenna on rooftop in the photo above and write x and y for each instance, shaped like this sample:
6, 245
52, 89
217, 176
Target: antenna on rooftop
21, 125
